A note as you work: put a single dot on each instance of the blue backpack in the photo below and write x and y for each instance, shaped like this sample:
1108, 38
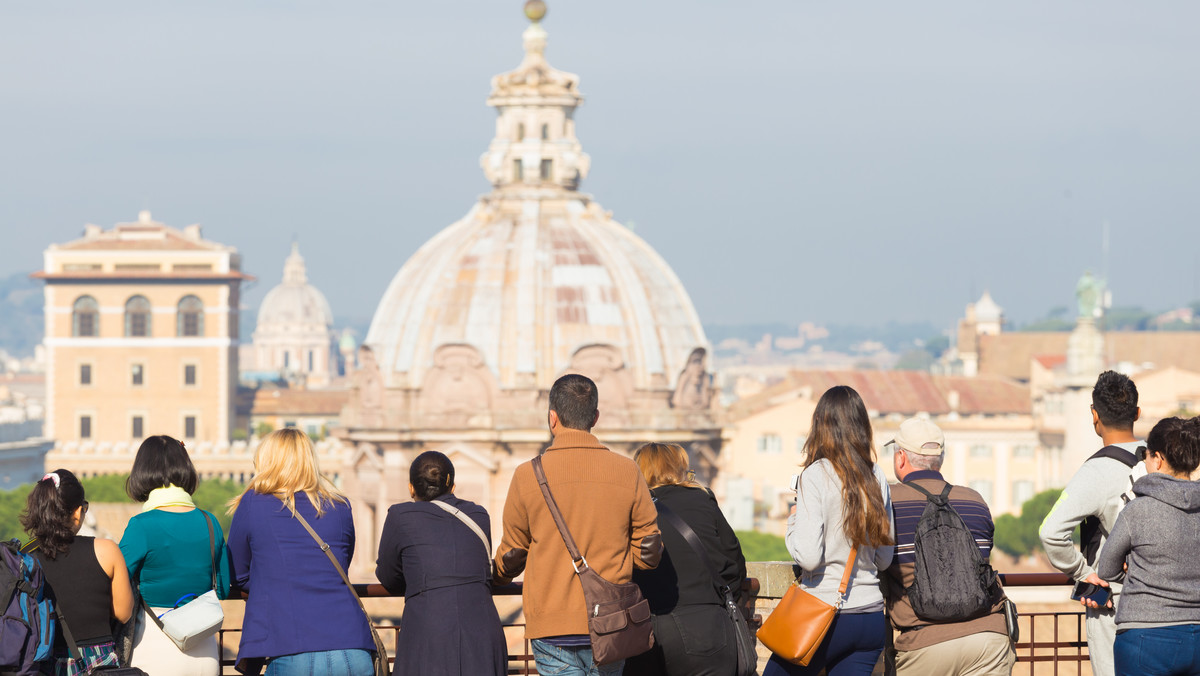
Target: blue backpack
27, 627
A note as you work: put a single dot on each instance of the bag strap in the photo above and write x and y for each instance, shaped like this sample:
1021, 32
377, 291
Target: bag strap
212, 548
693, 540
945, 494
333, 559
72, 648
576, 557
846, 578
458, 513
1128, 458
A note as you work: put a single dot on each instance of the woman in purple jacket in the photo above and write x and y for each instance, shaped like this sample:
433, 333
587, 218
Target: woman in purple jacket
300, 617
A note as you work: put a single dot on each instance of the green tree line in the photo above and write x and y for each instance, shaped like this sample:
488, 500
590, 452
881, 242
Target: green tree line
211, 495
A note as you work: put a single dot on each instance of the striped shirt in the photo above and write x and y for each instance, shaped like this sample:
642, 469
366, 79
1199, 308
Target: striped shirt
909, 504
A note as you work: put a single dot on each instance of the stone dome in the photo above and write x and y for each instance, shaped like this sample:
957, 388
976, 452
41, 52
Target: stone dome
294, 303
528, 288
537, 279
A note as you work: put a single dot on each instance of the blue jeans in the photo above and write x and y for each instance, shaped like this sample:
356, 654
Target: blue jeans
851, 648
555, 660
1160, 651
325, 663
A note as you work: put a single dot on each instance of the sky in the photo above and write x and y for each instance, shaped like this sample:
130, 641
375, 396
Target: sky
791, 160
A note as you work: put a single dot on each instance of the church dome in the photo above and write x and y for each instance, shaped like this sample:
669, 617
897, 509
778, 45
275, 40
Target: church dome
537, 279
986, 309
294, 305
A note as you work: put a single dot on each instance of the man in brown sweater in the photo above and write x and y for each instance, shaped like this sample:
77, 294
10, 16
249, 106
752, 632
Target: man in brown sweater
607, 508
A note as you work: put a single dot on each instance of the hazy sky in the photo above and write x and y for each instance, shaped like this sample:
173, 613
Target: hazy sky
792, 160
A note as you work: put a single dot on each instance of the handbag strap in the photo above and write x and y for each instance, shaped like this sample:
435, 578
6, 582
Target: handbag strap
212, 549
333, 559
692, 539
458, 513
846, 577
576, 557
72, 647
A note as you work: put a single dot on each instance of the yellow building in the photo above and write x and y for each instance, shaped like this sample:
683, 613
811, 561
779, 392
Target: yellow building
141, 338
991, 442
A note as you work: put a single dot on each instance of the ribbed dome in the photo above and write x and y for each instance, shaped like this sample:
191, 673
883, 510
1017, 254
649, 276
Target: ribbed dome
295, 304
527, 288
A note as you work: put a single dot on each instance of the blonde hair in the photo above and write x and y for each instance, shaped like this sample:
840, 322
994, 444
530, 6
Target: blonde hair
285, 463
664, 465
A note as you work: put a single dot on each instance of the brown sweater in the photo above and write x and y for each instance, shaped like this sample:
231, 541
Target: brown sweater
607, 507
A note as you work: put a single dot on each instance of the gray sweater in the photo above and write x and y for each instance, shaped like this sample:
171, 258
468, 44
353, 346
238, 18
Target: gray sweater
817, 541
1095, 490
1158, 535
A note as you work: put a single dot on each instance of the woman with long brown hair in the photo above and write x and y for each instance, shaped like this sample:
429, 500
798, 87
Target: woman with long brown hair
843, 514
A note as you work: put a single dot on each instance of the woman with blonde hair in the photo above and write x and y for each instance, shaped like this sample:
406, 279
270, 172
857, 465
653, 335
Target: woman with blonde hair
300, 617
693, 632
843, 519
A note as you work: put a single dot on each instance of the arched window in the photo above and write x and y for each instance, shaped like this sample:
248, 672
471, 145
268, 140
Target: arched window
85, 317
545, 132
137, 317
189, 317
521, 131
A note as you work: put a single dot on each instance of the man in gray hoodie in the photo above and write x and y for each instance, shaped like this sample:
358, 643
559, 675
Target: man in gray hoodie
1095, 493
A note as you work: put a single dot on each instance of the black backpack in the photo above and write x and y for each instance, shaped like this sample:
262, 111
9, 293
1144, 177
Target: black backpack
952, 582
1091, 533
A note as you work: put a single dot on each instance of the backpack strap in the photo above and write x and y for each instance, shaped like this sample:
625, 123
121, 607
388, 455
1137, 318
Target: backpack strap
1117, 453
944, 495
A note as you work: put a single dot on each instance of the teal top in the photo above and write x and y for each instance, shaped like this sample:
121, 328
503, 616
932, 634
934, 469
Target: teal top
167, 553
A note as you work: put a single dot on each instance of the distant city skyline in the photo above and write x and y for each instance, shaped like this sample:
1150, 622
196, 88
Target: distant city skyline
792, 162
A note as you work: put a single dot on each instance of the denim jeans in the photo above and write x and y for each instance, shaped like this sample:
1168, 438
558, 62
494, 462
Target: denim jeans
555, 660
851, 648
325, 663
1158, 651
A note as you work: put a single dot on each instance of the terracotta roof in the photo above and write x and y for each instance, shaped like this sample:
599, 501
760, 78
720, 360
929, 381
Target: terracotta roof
903, 392
299, 402
1051, 361
1010, 354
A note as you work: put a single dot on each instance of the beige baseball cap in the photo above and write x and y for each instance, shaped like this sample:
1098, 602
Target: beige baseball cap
920, 436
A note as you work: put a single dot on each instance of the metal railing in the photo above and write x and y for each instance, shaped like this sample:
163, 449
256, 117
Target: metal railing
1048, 640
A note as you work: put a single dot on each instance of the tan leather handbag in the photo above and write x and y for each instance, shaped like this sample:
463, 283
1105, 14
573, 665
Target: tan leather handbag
797, 626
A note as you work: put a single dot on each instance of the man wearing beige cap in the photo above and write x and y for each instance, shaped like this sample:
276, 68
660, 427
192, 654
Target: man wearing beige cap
978, 645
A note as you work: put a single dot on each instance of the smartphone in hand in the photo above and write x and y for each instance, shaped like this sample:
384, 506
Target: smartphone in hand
1091, 592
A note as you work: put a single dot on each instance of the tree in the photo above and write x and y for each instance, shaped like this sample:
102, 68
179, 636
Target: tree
1018, 535
762, 546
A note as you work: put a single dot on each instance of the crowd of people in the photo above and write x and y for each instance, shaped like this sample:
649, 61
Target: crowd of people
292, 537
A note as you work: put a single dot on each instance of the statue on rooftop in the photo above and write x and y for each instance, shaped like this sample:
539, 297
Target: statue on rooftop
1089, 294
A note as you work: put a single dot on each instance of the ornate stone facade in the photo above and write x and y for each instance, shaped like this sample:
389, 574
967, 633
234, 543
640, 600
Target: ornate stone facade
536, 281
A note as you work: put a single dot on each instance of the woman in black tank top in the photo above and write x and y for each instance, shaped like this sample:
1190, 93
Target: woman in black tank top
88, 575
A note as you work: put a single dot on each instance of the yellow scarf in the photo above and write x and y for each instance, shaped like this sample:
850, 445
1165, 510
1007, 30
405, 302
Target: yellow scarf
172, 496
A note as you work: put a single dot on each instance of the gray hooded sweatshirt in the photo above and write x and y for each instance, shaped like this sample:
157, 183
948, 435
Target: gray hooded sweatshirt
1158, 534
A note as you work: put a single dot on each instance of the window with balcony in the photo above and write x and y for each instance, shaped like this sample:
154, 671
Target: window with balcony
981, 451
1022, 491
85, 317
137, 317
189, 317
770, 443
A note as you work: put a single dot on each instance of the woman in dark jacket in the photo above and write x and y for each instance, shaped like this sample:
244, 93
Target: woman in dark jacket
443, 567
693, 633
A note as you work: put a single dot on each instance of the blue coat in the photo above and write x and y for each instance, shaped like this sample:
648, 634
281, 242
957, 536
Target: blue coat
298, 602
450, 624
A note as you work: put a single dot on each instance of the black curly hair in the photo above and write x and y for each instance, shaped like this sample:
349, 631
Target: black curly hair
49, 512
1115, 399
